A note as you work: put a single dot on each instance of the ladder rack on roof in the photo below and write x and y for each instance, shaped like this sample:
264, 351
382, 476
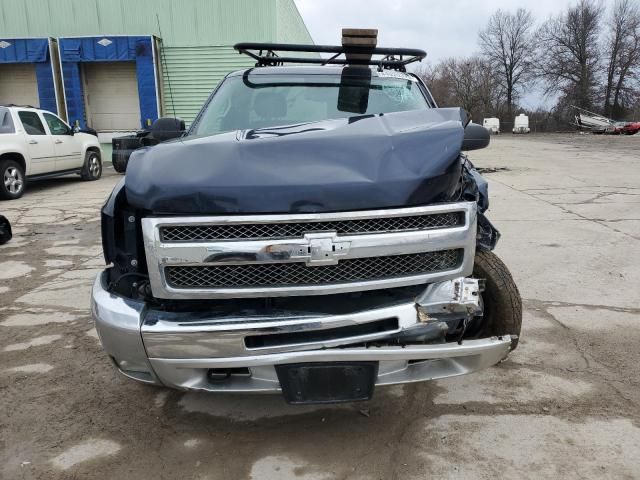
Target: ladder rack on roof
358, 47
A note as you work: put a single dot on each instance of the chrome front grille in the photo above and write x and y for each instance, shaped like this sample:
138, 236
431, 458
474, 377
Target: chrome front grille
238, 231
298, 274
235, 256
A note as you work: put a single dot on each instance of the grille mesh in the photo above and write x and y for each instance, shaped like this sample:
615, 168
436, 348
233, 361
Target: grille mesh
298, 274
195, 233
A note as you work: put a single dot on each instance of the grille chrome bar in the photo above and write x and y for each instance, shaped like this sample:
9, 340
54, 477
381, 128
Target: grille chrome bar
314, 263
280, 230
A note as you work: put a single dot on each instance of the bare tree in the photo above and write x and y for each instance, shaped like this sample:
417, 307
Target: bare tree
568, 53
623, 53
507, 44
469, 83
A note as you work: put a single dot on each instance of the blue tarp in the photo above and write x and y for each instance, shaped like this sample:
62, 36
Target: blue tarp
73, 51
24, 50
33, 50
46, 87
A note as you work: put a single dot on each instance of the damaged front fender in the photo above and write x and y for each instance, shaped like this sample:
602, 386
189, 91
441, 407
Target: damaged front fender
474, 187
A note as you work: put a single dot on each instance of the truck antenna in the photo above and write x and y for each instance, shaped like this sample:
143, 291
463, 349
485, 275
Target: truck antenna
166, 70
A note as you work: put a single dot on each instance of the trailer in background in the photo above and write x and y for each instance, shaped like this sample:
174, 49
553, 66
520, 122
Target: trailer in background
521, 124
492, 124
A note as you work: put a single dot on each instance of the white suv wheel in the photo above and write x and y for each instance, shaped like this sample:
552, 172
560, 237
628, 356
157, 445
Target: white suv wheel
13, 181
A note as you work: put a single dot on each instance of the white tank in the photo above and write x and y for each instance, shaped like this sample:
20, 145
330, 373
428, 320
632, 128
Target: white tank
492, 124
521, 124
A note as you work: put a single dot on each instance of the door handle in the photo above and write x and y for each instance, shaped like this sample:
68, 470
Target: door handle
33, 142
58, 141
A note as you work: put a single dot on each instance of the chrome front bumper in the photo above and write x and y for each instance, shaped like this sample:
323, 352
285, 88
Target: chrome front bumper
179, 350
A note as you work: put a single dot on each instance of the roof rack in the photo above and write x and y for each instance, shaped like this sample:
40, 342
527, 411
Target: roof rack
15, 105
358, 47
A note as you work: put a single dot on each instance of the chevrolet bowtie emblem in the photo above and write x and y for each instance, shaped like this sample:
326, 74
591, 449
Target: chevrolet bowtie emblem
324, 248
317, 249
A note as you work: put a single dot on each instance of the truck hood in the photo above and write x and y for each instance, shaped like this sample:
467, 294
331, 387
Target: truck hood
367, 162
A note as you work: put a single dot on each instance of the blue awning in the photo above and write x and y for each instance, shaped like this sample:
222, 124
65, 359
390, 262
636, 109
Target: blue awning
24, 50
102, 49
36, 51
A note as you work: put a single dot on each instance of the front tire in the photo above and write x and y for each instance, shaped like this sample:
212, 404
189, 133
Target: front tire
13, 181
501, 298
92, 169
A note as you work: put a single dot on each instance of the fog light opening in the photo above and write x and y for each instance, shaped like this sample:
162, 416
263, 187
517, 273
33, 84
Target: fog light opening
132, 370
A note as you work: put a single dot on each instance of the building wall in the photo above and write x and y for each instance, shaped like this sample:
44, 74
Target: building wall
191, 73
183, 22
197, 35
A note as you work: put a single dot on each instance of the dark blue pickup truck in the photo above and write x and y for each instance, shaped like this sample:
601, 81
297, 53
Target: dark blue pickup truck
318, 231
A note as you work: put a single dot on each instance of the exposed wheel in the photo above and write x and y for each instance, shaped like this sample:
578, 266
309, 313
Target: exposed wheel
13, 182
92, 169
501, 298
119, 162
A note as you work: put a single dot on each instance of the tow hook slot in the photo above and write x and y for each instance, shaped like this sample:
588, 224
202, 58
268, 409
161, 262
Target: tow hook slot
223, 374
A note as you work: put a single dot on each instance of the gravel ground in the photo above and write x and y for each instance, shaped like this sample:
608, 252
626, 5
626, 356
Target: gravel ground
566, 404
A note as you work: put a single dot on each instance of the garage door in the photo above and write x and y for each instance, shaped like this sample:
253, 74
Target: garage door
111, 96
18, 84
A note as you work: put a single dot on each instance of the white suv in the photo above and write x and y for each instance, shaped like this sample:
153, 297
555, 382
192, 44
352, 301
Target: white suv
36, 144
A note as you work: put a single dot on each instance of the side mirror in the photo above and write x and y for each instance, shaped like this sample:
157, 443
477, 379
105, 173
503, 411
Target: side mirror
166, 128
475, 137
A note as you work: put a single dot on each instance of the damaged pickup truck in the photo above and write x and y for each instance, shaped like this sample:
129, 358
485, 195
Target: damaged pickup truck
317, 232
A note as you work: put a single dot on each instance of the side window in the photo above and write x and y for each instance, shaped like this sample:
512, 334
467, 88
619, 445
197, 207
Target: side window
6, 122
56, 126
32, 123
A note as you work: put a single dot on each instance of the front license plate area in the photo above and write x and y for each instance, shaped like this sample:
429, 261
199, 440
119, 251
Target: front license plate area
335, 382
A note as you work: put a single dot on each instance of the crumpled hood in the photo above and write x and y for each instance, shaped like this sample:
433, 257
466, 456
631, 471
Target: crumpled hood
381, 161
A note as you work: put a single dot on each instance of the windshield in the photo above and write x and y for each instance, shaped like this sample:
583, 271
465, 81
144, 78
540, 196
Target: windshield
260, 101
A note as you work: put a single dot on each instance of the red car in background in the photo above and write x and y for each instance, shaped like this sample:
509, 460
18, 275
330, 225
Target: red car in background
624, 128
631, 128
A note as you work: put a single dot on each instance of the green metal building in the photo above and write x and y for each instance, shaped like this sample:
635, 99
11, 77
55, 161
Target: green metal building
116, 65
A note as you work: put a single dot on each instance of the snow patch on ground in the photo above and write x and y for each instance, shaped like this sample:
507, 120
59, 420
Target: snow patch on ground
31, 319
31, 368
282, 468
160, 399
57, 263
34, 342
83, 452
14, 269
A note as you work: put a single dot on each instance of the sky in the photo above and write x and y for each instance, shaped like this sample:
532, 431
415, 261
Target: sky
443, 28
